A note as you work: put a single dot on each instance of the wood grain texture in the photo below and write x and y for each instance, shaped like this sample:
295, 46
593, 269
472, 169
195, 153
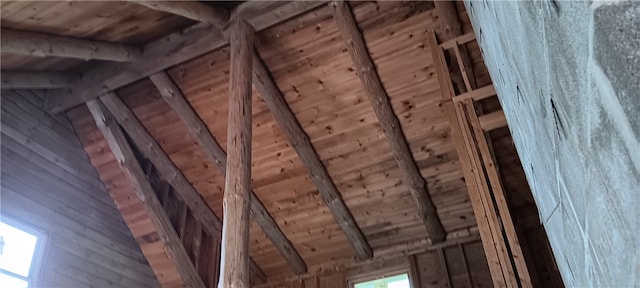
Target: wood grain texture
37, 80
198, 130
387, 118
237, 193
38, 44
193, 10
172, 50
450, 26
272, 96
127, 161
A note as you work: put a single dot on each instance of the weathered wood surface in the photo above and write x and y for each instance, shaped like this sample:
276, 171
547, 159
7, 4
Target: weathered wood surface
493, 120
127, 161
448, 17
198, 130
299, 139
193, 10
388, 120
168, 171
37, 80
234, 263
38, 44
172, 50
49, 184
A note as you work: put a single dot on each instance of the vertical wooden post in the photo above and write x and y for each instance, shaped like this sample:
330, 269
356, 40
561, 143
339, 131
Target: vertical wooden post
237, 194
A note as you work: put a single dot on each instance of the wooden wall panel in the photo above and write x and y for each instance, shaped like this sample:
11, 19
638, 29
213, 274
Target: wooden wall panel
48, 183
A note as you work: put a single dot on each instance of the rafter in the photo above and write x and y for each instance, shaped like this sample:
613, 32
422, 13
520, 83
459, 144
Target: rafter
173, 50
37, 80
387, 118
299, 140
39, 44
193, 10
127, 161
150, 148
176, 100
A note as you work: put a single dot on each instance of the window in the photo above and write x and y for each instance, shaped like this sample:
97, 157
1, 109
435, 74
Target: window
398, 281
20, 251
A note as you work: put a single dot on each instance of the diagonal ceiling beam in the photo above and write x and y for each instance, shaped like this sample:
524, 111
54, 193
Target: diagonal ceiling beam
299, 140
39, 44
388, 120
174, 97
37, 80
173, 50
128, 163
193, 10
167, 170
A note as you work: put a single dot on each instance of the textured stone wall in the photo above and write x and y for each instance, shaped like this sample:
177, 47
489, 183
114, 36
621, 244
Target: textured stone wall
568, 77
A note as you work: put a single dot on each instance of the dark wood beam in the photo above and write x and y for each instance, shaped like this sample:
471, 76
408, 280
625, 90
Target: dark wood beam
387, 118
168, 171
127, 161
450, 26
493, 120
299, 140
37, 80
199, 131
237, 186
193, 10
173, 50
39, 44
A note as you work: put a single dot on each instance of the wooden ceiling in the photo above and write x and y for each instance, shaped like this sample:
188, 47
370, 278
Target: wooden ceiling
310, 64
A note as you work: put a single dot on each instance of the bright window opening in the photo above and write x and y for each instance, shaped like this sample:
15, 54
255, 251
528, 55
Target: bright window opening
20, 249
398, 281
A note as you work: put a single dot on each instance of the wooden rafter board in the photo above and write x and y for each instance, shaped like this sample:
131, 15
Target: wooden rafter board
309, 62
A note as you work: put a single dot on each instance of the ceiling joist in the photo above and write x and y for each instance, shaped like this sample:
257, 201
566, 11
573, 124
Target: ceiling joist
299, 140
172, 50
151, 150
42, 45
196, 127
37, 80
193, 10
388, 120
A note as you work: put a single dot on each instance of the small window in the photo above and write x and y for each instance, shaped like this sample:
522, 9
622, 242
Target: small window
20, 254
398, 281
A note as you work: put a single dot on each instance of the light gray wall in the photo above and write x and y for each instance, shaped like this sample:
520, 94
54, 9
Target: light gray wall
567, 74
49, 184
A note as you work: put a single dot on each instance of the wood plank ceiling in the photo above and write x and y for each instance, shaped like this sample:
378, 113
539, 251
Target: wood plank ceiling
311, 66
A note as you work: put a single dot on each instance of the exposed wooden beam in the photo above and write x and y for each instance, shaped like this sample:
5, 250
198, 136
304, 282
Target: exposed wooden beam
237, 186
168, 171
39, 44
193, 10
387, 118
477, 94
448, 16
127, 161
199, 131
173, 50
37, 80
299, 140
493, 120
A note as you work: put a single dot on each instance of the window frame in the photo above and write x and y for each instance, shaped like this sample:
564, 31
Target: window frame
352, 281
39, 251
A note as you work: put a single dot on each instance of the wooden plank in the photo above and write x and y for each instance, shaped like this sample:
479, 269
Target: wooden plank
443, 263
448, 17
166, 168
193, 10
493, 120
462, 39
198, 129
387, 118
172, 50
237, 188
477, 94
466, 265
37, 80
127, 161
300, 141
38, 44
414, 272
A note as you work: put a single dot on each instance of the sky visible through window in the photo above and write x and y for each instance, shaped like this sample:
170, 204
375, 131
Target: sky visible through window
398, 281
16, 256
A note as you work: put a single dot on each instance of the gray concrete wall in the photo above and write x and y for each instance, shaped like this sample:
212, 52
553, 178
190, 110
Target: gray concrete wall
568, 77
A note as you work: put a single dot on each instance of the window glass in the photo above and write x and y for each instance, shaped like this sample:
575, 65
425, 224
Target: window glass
16, 249
398, 281
12, 282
